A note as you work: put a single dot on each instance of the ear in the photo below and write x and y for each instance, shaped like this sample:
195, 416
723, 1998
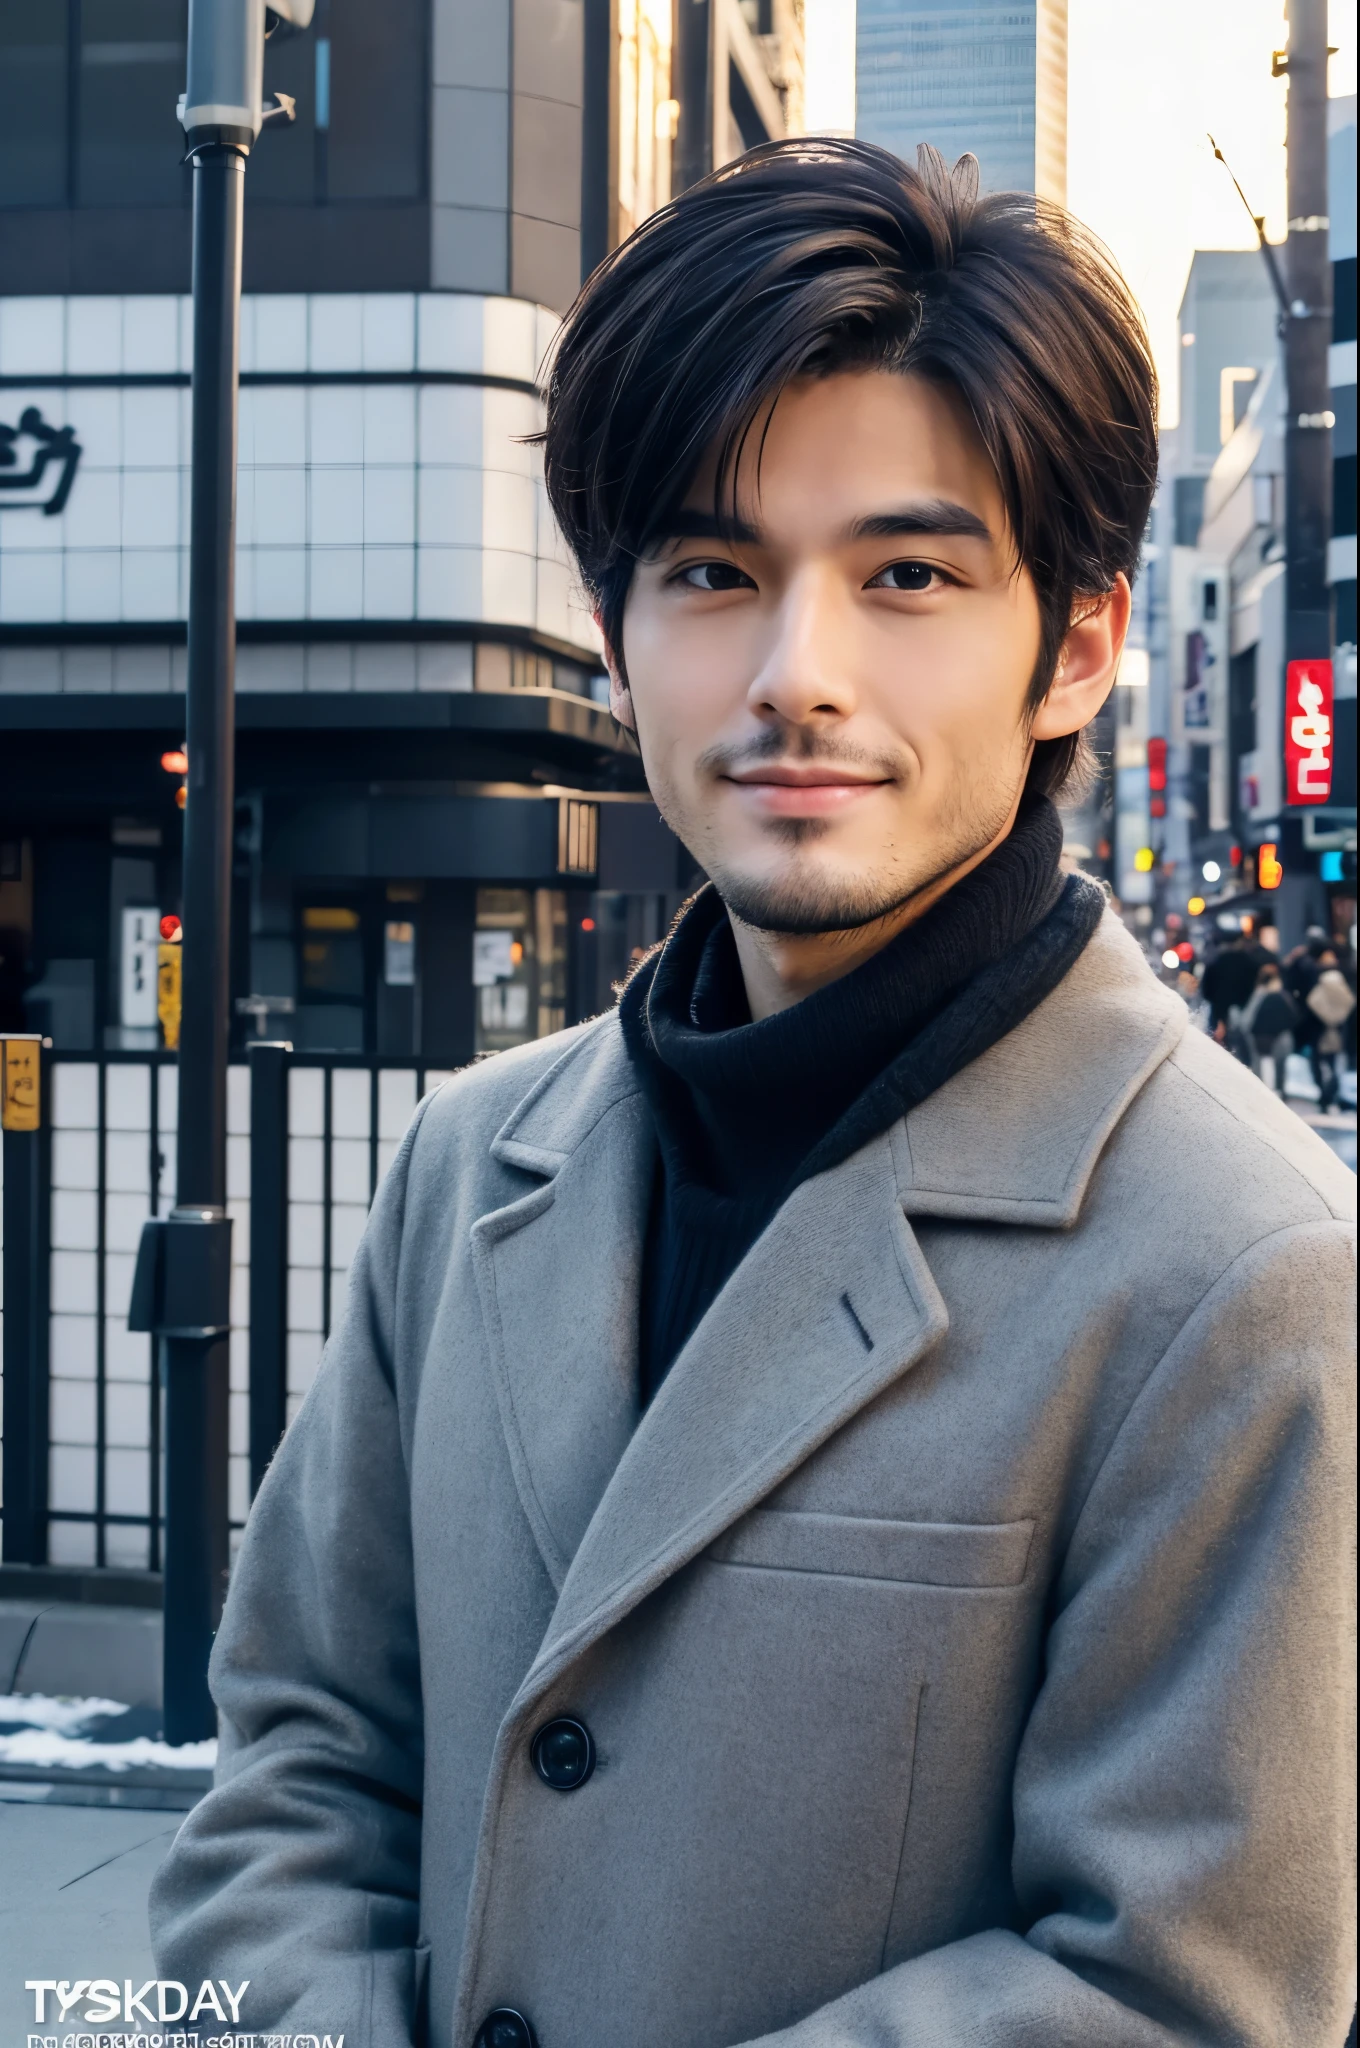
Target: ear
620, 697
1087, 664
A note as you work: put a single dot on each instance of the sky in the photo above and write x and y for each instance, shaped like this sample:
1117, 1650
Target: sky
1145, 85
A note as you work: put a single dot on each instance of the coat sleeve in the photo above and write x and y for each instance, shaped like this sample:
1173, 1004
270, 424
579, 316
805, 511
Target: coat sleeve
300, 1870
1183, 1801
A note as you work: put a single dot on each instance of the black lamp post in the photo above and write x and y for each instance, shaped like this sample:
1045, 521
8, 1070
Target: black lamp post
182, 1289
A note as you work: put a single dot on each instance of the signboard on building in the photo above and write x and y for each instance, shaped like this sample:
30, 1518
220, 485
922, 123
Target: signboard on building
1308, 729
37, 464
1199, 648
138, 989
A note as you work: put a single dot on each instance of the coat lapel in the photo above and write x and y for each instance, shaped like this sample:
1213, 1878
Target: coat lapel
831, 1305
559, 1276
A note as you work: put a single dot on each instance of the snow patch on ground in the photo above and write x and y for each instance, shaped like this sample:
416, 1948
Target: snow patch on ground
63, 1716
40, 1733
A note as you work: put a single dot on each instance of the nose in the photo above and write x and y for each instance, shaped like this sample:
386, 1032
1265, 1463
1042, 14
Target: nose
805, 676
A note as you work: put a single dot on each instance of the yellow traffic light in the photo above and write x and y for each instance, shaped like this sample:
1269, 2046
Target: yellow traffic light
1144, 860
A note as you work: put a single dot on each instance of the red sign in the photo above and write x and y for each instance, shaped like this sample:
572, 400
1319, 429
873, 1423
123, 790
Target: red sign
1308, 732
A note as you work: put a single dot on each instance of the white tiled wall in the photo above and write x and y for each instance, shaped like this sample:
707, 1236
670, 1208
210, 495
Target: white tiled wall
393, 502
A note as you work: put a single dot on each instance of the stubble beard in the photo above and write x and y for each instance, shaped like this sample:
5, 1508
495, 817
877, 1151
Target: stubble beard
810, 904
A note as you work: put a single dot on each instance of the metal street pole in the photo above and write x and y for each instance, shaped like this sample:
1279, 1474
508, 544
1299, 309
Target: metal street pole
196, 1365
182, 1286
1307, 329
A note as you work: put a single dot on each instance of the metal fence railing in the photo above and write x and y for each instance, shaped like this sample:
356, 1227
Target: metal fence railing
309, 1137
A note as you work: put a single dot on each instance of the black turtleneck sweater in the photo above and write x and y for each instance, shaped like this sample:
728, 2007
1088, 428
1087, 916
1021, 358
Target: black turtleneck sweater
745, 1111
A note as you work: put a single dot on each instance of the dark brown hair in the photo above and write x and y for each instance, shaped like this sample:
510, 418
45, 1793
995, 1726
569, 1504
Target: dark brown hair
815, 255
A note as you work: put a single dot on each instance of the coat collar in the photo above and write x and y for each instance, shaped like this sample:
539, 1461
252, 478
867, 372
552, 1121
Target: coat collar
1015, 1136
833, 1303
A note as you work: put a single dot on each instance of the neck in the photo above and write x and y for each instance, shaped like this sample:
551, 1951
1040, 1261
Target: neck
780, 968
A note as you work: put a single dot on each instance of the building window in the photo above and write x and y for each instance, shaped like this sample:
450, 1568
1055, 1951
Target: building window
1343, 493
132, 60
88, 91
330, 1012
1343, 299
519, 966
33, 104
376, 138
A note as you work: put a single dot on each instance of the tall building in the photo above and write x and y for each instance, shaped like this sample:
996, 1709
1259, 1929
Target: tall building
1341, 553
1338, 856
988, 76
443, 844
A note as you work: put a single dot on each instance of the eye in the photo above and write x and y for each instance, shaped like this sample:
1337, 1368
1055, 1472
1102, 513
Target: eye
910, 576
714, 576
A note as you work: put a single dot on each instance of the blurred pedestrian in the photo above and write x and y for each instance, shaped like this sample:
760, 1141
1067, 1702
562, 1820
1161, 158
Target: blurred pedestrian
1300, 974
1268, 1024
1228, 986
1330, 1002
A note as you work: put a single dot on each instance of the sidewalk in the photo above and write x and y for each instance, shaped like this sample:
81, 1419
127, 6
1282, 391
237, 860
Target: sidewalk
73, 1889
88, 1804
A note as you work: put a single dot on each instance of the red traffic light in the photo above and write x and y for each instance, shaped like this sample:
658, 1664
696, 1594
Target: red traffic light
176, 762
171, 928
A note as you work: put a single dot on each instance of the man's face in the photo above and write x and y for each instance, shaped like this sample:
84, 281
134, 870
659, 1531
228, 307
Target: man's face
831, 706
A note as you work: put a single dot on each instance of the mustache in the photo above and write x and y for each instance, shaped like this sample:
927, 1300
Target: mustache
800, 744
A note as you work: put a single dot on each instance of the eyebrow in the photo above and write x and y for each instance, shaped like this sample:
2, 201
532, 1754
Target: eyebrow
933, 516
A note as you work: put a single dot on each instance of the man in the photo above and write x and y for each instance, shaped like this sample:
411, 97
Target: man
1228, 985
1268, 1025
1330, 1002
825, 1522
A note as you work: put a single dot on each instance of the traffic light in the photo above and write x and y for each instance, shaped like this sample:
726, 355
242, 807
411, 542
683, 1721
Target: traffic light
1269, 869
176, 762
1156, 760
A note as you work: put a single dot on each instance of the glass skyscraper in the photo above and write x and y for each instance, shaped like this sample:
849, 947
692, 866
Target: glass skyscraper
988, 76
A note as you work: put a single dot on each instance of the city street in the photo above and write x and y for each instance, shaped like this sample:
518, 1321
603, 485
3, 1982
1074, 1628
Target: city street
789, 565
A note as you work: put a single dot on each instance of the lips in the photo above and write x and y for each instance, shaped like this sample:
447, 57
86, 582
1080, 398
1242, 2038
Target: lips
806, 778
804, 792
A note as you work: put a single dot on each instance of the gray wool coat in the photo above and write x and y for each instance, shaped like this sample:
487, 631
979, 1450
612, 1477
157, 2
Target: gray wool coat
965, 1629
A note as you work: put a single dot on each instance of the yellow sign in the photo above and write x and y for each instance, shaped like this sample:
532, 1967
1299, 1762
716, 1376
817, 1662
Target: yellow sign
20, 1091
169, 978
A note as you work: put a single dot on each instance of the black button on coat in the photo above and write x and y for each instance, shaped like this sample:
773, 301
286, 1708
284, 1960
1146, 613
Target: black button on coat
563, 1754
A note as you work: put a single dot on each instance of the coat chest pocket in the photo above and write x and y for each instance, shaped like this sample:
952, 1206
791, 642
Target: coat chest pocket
959, 1554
